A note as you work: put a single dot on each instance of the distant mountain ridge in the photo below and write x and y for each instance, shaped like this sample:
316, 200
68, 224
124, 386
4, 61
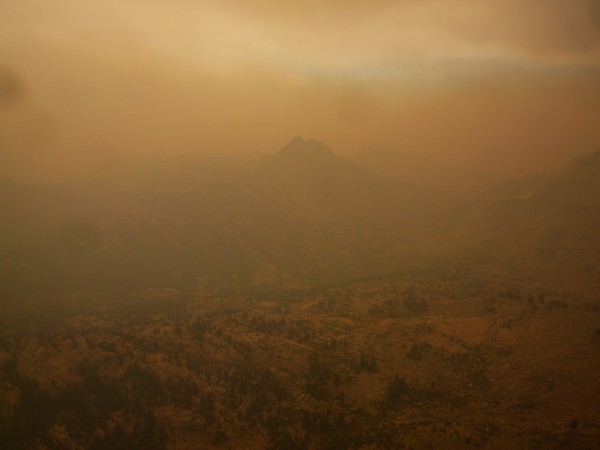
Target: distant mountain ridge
302, 148
302, 215
547, 224
298, 217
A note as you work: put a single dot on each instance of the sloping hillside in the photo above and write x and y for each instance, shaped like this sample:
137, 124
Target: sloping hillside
302, 215
544, 225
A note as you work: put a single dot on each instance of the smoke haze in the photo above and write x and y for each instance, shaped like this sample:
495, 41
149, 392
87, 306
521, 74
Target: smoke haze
508, 86
304, 225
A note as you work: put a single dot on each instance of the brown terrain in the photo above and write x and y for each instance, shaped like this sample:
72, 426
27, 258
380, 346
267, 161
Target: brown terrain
299, 301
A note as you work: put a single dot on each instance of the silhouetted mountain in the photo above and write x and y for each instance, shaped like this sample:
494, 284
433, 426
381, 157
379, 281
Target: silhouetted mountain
303, 150
302, 215
308, 180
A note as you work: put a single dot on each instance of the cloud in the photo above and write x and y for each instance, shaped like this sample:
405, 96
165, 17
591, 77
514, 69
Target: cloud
451, 80
337, 36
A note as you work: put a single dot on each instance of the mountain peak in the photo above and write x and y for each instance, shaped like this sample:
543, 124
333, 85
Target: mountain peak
300, 147
299, 139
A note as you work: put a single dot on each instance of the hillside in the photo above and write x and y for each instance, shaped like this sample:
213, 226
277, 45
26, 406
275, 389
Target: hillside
301, 215
299, 301
544, 225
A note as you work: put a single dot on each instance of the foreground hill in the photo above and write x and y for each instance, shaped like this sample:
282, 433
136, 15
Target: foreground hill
455, 361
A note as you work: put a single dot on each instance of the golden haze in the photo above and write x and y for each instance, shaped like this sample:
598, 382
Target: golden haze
509, 86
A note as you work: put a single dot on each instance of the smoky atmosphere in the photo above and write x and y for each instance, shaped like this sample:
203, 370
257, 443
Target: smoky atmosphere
299, 225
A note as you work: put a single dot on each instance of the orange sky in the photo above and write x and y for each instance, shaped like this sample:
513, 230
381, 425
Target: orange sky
507, 85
